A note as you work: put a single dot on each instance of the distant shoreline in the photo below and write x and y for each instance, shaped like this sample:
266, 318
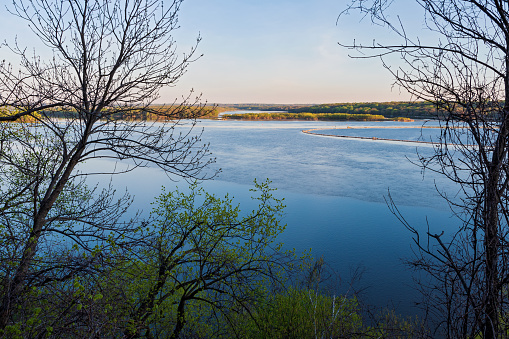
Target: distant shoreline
377, 111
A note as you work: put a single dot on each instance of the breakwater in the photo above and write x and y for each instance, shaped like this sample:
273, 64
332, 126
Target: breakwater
315, 131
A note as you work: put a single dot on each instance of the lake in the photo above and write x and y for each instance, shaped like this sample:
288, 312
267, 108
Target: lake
334, 189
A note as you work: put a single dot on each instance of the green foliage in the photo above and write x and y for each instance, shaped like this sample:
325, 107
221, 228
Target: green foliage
391, 325
308, 313
301, 313
200, 258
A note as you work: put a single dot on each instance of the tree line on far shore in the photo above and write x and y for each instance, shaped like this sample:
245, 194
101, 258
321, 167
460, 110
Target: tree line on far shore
312, 116
416, 109
400, 111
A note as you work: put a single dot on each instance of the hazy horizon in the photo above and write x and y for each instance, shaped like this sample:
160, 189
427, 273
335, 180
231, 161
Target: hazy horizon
310, 104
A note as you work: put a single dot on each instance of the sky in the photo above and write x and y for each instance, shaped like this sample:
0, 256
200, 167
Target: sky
274, 51
284, 51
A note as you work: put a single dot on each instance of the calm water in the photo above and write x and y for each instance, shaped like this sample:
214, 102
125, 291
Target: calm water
334, 189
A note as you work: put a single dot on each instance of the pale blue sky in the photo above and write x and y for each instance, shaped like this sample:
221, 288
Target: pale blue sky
283, 51
273, 51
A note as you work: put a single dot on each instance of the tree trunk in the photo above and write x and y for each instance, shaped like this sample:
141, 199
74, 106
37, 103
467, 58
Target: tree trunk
16, 286
491, 235
491, 244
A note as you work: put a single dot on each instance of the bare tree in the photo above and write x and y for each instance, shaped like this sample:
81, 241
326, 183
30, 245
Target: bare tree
465, 74
110, 59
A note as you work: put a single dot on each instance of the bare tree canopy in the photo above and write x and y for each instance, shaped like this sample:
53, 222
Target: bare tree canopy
106, 53
465, 74
109, 60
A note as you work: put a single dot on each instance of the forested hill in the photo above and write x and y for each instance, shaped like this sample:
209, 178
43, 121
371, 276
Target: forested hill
261, 107
388, 109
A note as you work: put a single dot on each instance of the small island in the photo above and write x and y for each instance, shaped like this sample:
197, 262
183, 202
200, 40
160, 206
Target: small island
312, 116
